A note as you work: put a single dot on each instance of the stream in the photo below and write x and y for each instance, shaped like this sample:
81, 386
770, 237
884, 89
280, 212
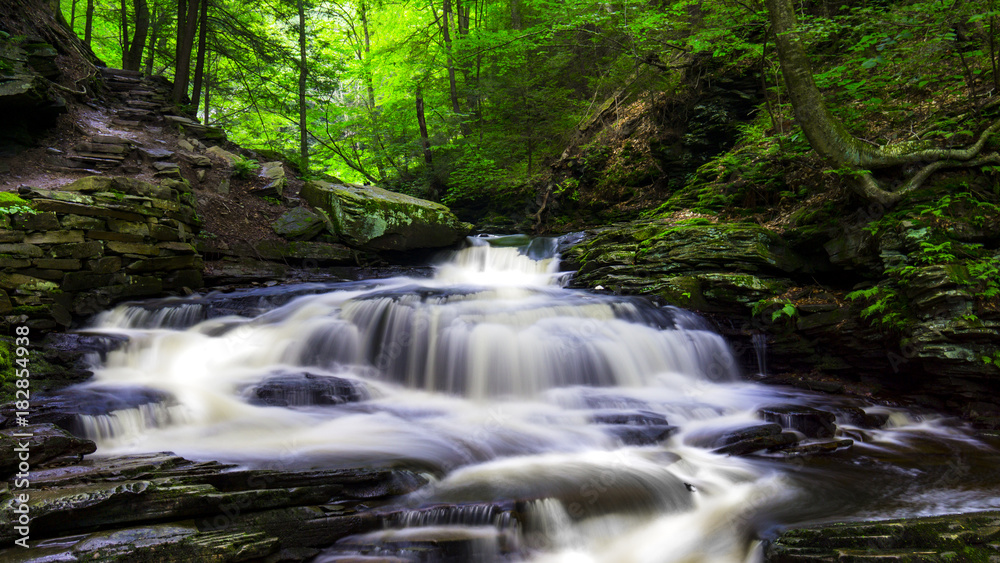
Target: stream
554, 425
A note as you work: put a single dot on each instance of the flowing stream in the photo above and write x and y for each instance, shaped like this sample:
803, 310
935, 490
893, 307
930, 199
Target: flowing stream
553, 424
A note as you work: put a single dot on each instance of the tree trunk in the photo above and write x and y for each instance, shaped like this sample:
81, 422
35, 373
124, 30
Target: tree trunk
154, 34
369, 83
88, 25
830, 138
515, 14
208, 96
133, 58
72, 16
446, 34
199, 66
370, 86
187, 24
123, 30
303, 76
422, 122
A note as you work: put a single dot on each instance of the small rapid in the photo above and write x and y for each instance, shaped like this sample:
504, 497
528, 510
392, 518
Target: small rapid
554, 425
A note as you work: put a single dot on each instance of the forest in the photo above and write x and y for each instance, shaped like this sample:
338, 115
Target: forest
462, 100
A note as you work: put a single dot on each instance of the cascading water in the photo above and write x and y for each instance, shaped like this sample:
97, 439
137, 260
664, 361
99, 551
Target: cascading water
556, 424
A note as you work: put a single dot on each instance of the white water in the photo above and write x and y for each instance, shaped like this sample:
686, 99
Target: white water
494, 380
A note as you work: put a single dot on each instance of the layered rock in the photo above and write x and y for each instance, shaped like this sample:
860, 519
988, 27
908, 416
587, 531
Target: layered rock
173, 509
764, 288
93, 242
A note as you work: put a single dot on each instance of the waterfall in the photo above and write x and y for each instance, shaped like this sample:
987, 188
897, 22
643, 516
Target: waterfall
556, 424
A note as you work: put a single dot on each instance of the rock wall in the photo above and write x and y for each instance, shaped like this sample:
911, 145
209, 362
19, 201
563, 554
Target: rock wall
760, 286
94, 242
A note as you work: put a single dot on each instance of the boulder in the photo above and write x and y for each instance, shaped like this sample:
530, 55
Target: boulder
303, 389
298, 224
814, 423
375, 219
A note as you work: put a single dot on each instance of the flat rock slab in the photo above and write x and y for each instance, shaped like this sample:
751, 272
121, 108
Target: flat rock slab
140, 492
157, 154
964, 537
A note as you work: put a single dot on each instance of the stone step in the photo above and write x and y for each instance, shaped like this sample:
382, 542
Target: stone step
102, 148
137, 115
142, 104
101, 155
126, 123
108, 71
121, 88
110, 140
94, 161
68, 169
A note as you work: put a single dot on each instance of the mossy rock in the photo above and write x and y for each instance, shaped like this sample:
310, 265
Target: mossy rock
298, 224
375, 219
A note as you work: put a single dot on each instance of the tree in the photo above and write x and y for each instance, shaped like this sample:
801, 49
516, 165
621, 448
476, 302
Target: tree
303, 79
830, 138
88, 26
132, 46
187, 25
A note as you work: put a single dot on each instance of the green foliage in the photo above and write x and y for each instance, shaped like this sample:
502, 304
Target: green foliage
11, 204
6, 369
245, 168
271, 200
884, 306
779, 308
787, 310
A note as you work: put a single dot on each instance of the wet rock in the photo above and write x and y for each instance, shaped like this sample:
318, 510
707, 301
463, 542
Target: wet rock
377, 219
635, 428
965, 537
300, 389
298, 224
437, 543
139, 490
63, 408
767, 442
817, 448
858, 417
719, 437
635, 418
641, 435
814, 423
42, 443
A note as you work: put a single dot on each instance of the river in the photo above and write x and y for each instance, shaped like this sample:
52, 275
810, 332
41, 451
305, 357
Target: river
554, 425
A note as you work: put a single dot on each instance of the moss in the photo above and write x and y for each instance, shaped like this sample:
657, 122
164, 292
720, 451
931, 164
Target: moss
30, 310
6, 369
8, 199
